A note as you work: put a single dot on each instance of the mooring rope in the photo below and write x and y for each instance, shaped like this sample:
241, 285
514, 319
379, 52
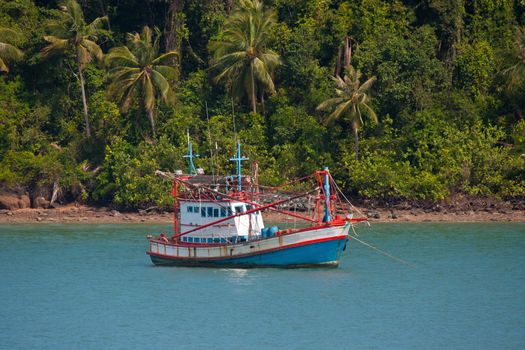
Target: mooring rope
347, 200
382, 252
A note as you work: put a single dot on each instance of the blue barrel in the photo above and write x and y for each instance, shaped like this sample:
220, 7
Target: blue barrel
272, 231
264, 232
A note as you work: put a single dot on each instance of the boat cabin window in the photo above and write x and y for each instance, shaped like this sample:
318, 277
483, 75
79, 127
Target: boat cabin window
223, 212
210, 212
190, 239
190, 209
239, 209
215, 213
195, 209
203, 212
210, 240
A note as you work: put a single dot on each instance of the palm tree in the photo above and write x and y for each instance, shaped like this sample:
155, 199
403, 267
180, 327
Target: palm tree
8, 51
352, 102
241, 59
138, 70
73, 35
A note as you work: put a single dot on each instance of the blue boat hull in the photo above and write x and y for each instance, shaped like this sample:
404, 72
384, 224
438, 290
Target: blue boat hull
320, 254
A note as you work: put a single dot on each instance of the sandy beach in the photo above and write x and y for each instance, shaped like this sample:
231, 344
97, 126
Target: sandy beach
103, 215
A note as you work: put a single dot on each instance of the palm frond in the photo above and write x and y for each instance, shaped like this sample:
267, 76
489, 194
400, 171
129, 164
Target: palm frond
339, 110
121, 56
370, 112
97, 24
165, 57
366, 85
162, 85
168, 72
9, 52
263, 75
3, 66
330, 103
93, 49
56, 46
149, 94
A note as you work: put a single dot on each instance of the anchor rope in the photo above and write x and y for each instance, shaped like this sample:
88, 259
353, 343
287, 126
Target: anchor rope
382, 252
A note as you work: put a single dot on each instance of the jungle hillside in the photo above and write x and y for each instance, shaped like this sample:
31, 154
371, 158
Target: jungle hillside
419, 102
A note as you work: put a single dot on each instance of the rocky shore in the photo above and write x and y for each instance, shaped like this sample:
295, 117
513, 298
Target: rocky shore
102, 215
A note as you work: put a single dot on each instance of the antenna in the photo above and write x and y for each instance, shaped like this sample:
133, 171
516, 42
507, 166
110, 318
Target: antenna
190, 154
239, 159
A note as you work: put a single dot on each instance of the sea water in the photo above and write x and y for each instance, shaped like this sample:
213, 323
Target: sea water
93, 287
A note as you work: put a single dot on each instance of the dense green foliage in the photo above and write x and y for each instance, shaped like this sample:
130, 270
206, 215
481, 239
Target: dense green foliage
448, 93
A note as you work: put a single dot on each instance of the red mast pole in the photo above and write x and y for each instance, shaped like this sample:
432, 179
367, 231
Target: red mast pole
175, 206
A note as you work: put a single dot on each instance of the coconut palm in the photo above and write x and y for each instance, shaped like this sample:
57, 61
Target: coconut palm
241, 59
139, 71
352, 102
71, 34
8, 51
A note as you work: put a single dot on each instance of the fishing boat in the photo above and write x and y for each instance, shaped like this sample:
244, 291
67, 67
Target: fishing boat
219, 222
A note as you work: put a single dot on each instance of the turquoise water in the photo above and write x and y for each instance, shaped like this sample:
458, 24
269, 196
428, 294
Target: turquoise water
93, 287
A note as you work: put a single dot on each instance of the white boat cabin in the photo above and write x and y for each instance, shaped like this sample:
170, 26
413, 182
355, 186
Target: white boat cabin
195, 213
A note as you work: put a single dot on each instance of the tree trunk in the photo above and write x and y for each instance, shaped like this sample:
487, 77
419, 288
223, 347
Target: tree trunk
173, 29
152, 122
262, 105
337, 68
356, 145
84, 100
253, 97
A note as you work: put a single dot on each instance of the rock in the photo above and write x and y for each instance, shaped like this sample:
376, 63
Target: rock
372, 214
114, 213
142, 212
9, 213
14, 201
4, 211
41, 202
393, 215
38, 218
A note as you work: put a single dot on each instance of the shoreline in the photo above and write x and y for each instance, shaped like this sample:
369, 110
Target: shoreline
102, 215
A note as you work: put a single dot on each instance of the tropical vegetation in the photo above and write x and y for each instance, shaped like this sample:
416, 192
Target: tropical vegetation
140, 70
405, 101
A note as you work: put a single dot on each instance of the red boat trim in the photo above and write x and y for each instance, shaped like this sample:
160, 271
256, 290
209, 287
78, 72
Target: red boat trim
318, 240
186, 244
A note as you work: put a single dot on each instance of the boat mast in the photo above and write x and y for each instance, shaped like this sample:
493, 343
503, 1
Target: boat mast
326, 186
238, 159
175, 209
